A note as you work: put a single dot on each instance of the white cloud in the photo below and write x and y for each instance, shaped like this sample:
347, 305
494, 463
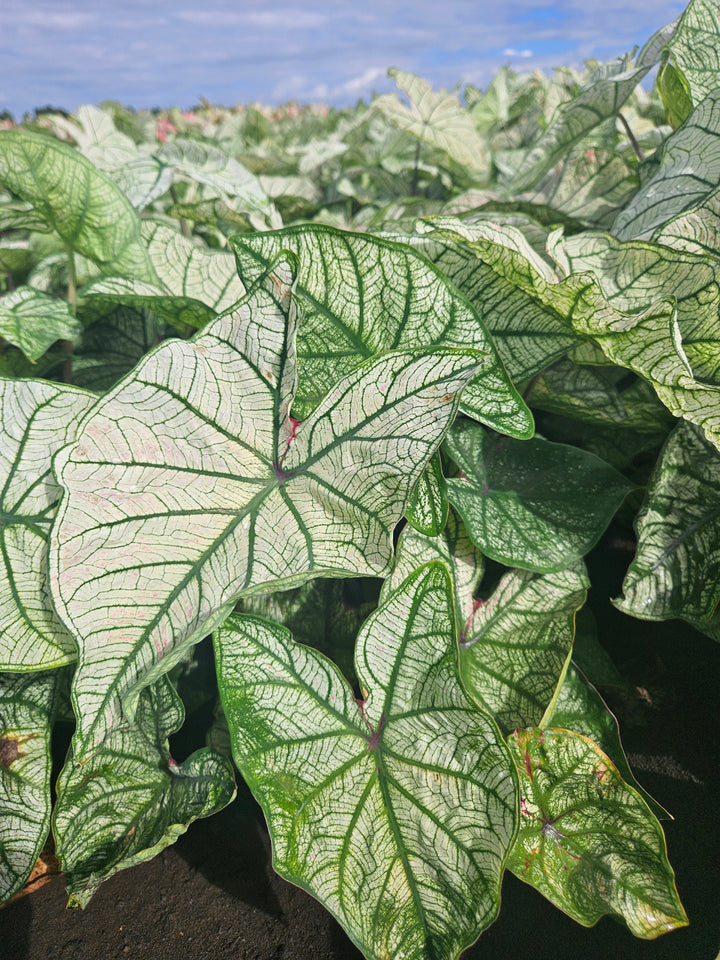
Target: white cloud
509, 52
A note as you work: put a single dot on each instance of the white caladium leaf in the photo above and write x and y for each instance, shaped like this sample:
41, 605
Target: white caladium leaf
588, 842
131, 800
676, 570
512, 288
396, 812
84, 207
517, 645
196, 283
362, 295
607, 88
634, 275
27, 707
434, 117
452, 547
427, 507
696, 229
688, 174
33, 321
580, 708
531, 504
38, 418
190, 485
694, 48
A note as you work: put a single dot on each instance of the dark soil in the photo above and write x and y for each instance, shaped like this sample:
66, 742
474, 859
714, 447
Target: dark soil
214, 895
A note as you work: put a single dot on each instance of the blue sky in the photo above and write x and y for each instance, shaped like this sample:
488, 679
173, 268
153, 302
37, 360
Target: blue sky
166, 52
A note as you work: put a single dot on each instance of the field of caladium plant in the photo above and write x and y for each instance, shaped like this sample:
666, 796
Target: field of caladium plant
372, 398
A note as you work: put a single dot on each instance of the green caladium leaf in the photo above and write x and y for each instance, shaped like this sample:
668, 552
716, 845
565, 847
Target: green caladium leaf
27, 707
363, 295
687, 174
607, 88
17, 256
512, 288
531, 504
587, 841
452, 547
33, 321
694, 48
415, 766
634, 275
190, 485
111, 347
676, 570
38, 418
434, 117
427, 508
131, 800
580, 708
600, 396
675, 92
196, 284
516, 646
82, 205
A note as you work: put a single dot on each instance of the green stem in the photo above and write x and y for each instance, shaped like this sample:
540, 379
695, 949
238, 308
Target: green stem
631, 136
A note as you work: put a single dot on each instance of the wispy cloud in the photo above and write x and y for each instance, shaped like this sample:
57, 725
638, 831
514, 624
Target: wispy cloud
67, 52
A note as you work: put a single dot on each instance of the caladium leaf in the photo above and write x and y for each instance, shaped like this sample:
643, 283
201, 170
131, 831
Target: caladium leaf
196, 284
694, 48
696, 230
190, 485
434, 117
131, 800
33, 321
415, 767
427, 507
363, 295
675, 92
580, 708
27, 707
588, 842
607, 88
112, 346
531, 504
452, 547
676, 570
688, 173
82, 204
511, 287
38, 418
634, 275
516, 646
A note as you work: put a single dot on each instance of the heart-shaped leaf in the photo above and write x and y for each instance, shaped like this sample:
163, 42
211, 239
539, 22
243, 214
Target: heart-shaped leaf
77, 200
33, 321
587, 840
190, 485
694, 48
363, 295
397, 812
531, 503
131, 800
38, 418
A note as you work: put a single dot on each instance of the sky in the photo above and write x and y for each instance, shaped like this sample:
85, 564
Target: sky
148, 53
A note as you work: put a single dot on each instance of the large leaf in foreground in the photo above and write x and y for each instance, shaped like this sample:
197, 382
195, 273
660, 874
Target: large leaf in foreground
397, 812
132, 799
517, 645
695, 48
587, 840
363, 295
77, 200
688, 174
27, 704
33, 321
38, 418
531, 503
676, 570
190, 485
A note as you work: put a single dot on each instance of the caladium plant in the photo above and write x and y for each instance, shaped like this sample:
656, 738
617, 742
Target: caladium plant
240, 436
